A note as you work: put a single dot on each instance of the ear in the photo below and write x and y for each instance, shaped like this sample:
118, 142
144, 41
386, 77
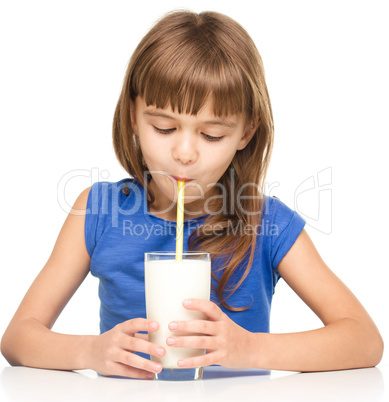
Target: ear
248, 134
133, 117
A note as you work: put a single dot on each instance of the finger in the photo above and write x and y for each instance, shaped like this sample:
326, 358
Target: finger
133, 360
199, 361
194, 326
142, 336
123, 370
135, 325
133, 344
193, 342
210, 309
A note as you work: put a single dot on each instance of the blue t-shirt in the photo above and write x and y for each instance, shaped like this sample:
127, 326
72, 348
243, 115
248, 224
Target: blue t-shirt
119, 229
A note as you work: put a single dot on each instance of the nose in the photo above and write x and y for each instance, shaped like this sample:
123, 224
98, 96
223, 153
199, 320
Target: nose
185, 149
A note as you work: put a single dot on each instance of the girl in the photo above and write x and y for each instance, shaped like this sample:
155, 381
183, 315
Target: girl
194, 106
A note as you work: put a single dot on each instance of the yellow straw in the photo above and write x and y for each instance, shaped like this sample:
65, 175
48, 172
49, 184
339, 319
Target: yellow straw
180, 220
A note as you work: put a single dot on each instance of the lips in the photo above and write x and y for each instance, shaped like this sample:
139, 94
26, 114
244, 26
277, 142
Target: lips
186, 179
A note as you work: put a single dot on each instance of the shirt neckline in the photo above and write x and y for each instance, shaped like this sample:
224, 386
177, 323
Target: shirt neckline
150, 217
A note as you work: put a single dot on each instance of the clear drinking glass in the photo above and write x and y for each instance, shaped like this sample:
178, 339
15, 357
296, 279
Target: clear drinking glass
168, 283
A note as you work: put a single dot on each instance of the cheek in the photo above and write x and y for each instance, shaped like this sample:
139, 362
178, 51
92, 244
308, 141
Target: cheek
152, 149
219, 159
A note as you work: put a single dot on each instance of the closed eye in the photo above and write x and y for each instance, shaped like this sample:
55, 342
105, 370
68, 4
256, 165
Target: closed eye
210, 138
170, 130
163, 130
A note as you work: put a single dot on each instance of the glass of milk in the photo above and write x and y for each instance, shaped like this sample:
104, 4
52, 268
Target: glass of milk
168, 283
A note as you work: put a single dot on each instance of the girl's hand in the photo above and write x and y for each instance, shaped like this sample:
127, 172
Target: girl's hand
113, 352
227, 343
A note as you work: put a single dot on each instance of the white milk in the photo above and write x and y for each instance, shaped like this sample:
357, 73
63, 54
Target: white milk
168, 283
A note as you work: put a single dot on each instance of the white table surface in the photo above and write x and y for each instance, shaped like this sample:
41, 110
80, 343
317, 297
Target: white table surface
218, 384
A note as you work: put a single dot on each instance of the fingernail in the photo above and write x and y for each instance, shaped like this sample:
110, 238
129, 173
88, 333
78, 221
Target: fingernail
173, 325
160, 351
187, 303
149, 376
156, 367
170, 341
181, 363
153, 325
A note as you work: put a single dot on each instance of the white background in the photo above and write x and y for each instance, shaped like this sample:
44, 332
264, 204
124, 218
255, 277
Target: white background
326, 63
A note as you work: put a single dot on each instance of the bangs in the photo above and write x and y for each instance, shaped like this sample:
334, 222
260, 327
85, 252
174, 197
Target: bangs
186, 75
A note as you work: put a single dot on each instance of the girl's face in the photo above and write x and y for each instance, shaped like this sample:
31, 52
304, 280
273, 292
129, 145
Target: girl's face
197, 149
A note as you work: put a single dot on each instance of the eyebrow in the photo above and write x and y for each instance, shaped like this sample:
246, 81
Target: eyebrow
217, 122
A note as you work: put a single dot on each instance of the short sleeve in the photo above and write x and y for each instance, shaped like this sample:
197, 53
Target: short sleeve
92, 217
103, 206
288, 225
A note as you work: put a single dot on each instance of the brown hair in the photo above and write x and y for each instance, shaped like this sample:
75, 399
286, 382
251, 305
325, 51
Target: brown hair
185, 59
